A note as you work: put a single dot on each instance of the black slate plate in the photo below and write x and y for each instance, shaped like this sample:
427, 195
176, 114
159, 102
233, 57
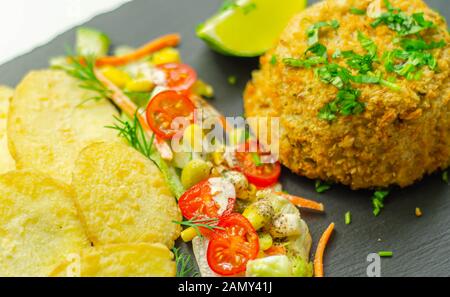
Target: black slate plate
421, 246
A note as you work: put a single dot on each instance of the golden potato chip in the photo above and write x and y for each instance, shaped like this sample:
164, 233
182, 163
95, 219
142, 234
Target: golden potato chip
52, 119
124, 260
39, 226
123, 197
6, 161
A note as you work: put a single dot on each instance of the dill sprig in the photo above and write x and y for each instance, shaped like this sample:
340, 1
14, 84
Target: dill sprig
82, 68
137, 138
185, 267
135, 135
208, 223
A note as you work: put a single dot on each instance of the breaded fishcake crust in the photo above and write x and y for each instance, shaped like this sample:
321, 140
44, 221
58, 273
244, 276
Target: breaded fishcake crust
400, 137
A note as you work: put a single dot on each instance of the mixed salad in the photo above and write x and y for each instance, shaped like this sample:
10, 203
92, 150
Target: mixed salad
236, 215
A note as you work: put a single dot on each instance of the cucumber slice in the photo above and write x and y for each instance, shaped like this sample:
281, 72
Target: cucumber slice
92, 42
248, 28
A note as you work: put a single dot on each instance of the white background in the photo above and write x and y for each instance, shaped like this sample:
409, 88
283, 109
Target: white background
26, 24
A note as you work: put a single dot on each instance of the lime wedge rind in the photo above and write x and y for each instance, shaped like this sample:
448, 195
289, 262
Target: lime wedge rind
253, 37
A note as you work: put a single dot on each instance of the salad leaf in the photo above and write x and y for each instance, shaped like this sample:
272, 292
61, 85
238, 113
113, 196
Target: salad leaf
301, 268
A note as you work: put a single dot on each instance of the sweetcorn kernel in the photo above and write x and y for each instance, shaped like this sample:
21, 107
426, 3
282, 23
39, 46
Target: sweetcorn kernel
167, 55
116, 76
140, 85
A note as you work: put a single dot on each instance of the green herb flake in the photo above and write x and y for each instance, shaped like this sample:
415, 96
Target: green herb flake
256, 159
419, 44
348, 218
361, 63
273, 60
232, 80
305, 63
402, 23
368, 44
390, 84
378, 201
322, 187
346, 104
357, 11
313, 30
366, 79
408, 63
445, 176
334, 74
386, 254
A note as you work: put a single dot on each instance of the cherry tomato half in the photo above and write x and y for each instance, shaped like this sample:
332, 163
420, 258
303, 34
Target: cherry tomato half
261, 175
166, 107
180, 77
211, 198
232, 247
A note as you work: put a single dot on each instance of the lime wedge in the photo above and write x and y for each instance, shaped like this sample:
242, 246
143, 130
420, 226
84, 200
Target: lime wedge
248, 28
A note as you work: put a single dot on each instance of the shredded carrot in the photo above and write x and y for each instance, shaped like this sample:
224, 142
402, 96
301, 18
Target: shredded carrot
318, 259
302, 202
129, 108
149, 48
275, 250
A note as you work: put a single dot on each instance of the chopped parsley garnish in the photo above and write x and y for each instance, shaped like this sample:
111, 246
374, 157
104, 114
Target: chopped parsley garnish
322, 187
402, 23
348, 218
313, 31
256, 159
306, 63
378, 201
314, 55
334, 74
385, 254
362, 63
390, 84
366, 79
273, 60
445, 176
420, 44
232, 80
346, 103
318, 50
357, 11
367, 44
408, 63
409, 60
